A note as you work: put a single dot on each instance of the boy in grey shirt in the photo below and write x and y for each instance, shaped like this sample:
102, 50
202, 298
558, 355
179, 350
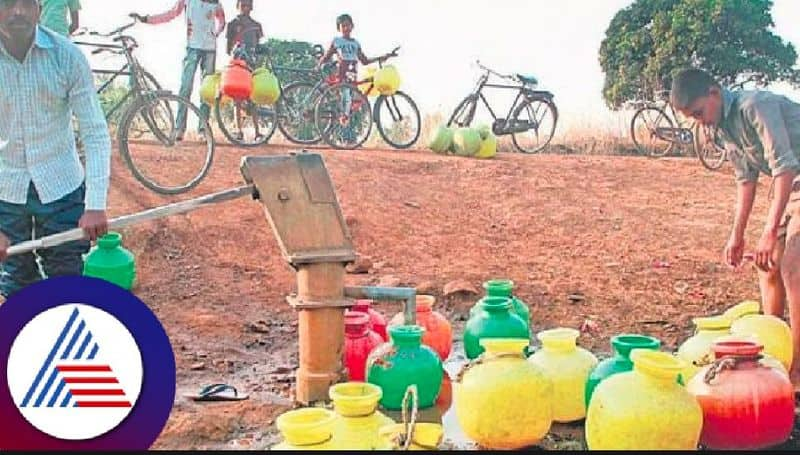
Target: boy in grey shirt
762, 135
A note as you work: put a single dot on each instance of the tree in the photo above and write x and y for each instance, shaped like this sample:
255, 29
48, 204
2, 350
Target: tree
647, 42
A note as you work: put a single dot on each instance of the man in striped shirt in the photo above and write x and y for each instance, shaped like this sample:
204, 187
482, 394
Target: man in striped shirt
44, 80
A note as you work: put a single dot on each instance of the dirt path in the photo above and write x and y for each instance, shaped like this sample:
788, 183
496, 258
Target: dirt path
639, 239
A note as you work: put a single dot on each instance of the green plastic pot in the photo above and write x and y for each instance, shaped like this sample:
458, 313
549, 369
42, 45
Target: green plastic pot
402, 362
466, 141
110, 261
621, 361
442, 140
504, 288
494, 319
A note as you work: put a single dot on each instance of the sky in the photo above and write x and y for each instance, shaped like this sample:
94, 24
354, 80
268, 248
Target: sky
555, 41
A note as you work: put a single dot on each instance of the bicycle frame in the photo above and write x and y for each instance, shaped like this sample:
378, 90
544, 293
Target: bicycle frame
679, 135
483, 83
131, 69
523, 92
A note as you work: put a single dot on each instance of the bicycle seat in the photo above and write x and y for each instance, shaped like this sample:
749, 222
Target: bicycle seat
527, 80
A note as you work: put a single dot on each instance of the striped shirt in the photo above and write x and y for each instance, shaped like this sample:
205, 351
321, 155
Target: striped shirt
37, 144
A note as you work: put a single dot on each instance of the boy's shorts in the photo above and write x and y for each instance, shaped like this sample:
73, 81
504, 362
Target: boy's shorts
792, 209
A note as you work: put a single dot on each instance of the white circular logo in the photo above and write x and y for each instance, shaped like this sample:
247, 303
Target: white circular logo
75, 372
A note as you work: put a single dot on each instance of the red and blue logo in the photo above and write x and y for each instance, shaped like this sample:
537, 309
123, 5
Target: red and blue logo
88, 366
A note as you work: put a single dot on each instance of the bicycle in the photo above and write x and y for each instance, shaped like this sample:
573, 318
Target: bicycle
149, 118
344, 116
530, 111
296, 106
252, 125
136, 85
397, 129
654, 133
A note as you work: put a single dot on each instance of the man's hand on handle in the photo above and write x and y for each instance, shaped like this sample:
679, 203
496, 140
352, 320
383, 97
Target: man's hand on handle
94, 224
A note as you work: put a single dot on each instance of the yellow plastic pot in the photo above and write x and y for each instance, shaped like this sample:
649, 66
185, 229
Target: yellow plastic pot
696, 350
266, 88
770, 331
356, 404
644, 409
742, 309
368, 88
488, 147
425, 436
502, 401
210, 88
568, 367
442, 140
387, 80
306, 429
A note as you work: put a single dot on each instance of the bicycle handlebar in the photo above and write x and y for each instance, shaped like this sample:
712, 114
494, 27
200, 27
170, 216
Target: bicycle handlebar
100, 50
387, 56
117, 33
491, 71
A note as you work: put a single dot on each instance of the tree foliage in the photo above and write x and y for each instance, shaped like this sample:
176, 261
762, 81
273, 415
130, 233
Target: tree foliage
648, 41
292, 60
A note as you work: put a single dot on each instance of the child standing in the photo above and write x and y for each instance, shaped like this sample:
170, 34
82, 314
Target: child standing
348, 51
247, 33
244, 29
205, 21
762, 133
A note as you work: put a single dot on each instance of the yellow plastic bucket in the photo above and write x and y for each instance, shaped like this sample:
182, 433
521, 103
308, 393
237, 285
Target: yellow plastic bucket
426, 436
488, 147
210, 88
306, 427
368, 88
266, 88
387, 80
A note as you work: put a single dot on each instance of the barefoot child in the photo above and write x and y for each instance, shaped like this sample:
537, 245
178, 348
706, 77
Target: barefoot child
762, 133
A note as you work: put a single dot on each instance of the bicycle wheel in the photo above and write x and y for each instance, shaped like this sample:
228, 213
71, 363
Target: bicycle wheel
464, 113
707, 145
343, 116
146, 83
398, 120
256, 123
644, 124
295, 112
539, 116
158, 160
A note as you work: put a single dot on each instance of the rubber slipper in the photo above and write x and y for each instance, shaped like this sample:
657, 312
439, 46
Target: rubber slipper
217, 392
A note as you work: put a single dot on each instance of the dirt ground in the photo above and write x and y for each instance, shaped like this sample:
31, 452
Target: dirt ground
637, 240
